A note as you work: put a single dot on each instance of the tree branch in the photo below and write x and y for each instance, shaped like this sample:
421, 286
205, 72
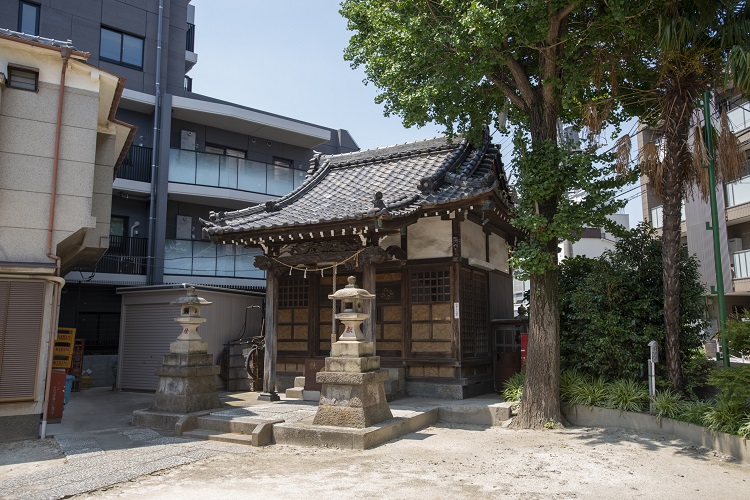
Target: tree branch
520, 78
509, 92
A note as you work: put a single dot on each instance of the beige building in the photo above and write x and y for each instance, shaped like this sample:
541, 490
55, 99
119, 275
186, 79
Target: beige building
60, 148
733, 201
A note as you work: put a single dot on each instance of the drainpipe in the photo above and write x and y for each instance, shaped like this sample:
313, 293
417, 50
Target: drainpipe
154, 155
65, 54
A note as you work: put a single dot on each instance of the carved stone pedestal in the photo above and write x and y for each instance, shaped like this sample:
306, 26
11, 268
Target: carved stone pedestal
187, 383
352, 393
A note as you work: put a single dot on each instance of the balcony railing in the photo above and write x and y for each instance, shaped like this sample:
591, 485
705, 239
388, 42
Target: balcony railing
739, 118
741, 264
203, 258
737, 192
137, 165
206, 169
125, 255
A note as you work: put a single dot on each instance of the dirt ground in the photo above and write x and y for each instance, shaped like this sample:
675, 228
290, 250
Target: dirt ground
451, 461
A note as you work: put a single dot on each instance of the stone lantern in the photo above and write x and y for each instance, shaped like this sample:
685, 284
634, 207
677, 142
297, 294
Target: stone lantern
352, 310
190, 319
187, 376
352, 392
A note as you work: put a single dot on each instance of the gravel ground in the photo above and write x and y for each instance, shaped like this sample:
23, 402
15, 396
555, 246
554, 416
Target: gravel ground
458, 461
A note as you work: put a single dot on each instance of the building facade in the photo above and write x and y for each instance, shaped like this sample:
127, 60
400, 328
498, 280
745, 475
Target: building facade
60, 147
733, 201
191, 154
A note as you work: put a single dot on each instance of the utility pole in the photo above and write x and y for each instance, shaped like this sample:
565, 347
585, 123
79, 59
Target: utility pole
715, 226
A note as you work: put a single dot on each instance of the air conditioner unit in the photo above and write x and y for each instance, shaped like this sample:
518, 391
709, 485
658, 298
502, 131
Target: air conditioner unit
734, 245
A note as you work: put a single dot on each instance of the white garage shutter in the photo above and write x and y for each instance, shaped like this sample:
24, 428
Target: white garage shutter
149, 329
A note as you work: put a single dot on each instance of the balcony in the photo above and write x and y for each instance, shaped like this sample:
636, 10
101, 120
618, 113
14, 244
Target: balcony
190, 38
137, 165
203, 258
206, 169
737, 192
125, 255
739, 118
741, 264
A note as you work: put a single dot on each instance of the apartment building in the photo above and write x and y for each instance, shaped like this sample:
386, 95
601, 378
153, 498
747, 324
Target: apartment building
190, 155
60, 147
733, 201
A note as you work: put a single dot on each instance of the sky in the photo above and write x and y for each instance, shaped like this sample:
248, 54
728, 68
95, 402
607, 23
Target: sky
286, 57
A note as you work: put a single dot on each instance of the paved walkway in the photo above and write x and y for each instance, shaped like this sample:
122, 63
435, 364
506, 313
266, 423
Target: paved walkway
94, 447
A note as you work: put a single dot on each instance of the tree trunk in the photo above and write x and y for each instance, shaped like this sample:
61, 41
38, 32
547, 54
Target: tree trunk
677, 162
541, 391
540, 404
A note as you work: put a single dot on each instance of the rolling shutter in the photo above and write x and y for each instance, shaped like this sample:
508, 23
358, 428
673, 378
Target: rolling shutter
149, 329
21, 318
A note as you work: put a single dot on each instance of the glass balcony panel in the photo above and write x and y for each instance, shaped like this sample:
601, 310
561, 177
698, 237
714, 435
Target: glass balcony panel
228, 172
182, 166
741, 261
739, 119
178, 257
225, 260
207, 173
280, 180
204, 258
245, 263
738, 192
251, 176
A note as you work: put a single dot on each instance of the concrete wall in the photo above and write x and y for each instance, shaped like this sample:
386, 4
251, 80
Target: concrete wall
81, 22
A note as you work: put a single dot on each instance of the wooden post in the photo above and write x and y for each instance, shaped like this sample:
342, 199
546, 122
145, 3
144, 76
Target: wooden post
269, 359
368, 283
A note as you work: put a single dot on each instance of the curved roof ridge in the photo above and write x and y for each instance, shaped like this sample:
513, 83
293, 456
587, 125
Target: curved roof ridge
404, 150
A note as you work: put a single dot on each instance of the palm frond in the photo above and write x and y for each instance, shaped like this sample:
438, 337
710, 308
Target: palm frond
652, 167
622, 155
730, 158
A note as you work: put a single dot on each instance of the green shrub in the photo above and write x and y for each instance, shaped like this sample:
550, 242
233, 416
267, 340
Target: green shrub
612, 306
667, 404
591, 392
738, 334
744, 429
726, 415
513, 387
733, 382
694, 412
626, 395
569, 380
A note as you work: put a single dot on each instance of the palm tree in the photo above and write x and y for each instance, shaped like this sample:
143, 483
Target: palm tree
701, 45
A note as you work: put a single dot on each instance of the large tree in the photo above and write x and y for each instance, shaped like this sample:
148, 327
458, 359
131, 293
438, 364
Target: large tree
699, 45
463, 63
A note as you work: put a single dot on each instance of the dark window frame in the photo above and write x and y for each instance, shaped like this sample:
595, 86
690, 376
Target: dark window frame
122, 34
14, 68
38, 9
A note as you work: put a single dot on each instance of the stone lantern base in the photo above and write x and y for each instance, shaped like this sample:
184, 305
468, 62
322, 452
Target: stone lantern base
352, 393
187, 379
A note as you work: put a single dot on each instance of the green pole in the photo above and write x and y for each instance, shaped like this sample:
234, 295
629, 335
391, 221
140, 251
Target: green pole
715, 226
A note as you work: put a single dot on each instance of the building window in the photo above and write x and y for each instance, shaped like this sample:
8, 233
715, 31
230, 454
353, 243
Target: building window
21, 77
28, 18
121, 48
282, 162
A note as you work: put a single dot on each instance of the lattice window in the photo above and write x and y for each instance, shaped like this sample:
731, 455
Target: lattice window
431, 323
431, 286
293, 292
389, 331
474, 314
293, 316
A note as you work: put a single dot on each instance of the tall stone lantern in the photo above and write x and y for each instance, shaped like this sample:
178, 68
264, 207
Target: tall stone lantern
352, 393
187, 377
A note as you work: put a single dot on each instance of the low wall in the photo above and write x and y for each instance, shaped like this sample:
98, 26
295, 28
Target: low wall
592, 416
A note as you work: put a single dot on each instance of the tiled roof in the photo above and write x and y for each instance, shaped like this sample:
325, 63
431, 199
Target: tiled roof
388, 183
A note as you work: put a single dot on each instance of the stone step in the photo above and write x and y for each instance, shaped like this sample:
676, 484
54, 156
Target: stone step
228, 424
226, 437
294, 393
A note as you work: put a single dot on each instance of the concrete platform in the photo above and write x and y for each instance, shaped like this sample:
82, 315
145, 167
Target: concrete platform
290, 421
